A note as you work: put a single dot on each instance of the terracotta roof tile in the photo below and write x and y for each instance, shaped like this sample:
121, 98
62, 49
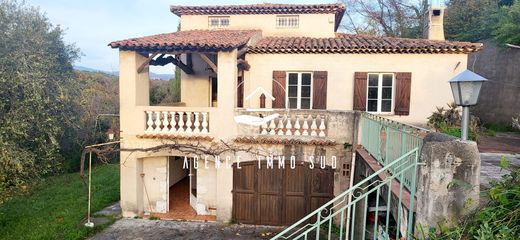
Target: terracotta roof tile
176, 137
352, 43
195, 40
264, 8
284, 141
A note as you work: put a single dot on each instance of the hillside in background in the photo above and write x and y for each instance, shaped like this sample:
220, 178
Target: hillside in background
154, 76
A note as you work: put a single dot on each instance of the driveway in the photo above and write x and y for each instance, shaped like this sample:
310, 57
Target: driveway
164, 229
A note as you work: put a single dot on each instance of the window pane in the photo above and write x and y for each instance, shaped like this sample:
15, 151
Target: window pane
293, 91
213, 22
372, 92
386, 106
293, 103
224, 21
293, 79
306, 91
372, 106
306, 103
373, 79
387, 93
387, 80
306, 79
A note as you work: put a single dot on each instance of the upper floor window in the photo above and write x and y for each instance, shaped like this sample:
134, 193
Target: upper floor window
299, 90
380, 96
218, 22
287, 21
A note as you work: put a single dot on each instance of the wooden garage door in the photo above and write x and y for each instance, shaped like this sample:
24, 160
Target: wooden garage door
278, 196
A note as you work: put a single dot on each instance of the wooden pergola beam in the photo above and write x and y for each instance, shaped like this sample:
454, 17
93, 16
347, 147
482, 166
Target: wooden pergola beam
211, 64
146, 63
161, 61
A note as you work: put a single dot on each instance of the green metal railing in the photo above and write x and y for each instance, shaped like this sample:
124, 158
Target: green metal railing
345, 216
387, 140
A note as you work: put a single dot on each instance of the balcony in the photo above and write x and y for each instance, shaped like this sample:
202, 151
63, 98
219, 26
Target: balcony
203, 122
177, 121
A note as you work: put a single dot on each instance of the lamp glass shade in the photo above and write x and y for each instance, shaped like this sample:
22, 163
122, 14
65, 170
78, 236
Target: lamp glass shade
466, 93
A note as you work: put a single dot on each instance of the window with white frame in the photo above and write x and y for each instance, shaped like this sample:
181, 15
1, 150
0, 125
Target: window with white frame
299, 90
380, 92
218, 22
287, 21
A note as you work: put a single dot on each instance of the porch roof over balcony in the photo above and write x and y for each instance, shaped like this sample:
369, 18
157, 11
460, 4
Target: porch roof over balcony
188, 41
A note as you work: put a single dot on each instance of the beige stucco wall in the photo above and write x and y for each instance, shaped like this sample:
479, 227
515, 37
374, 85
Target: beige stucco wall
430, 75
196, 88
310, 25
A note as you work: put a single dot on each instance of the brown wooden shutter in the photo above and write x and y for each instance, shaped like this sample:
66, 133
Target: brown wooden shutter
278, 90
319, 89
360, 91
403, 86
240, 92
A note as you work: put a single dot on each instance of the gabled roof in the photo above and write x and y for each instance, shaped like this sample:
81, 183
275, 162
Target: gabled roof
264, 8
193, 40
353, 43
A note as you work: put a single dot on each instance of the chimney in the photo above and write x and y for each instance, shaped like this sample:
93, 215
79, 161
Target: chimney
434, 23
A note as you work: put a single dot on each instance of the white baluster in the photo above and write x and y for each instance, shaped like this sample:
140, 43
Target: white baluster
181, 122
204, 122
322, 127
288, 126
188, 122
149, 122
297, 126
165, 122
272, 127
264, 129
280, 126
173, 122
157, 122
196, 124
314, 127
305, 126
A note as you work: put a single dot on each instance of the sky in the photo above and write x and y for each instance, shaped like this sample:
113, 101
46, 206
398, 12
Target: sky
92, 24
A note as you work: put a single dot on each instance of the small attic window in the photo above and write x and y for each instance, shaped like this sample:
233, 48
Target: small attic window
436, 12
218, 22
287, 21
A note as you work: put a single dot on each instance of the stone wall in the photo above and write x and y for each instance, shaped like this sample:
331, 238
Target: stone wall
448, 182
499, 99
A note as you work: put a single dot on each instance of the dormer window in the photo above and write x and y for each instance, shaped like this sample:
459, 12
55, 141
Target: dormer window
287, 21
218, 22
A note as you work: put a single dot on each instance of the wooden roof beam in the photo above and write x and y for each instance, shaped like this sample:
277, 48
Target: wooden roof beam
211, 64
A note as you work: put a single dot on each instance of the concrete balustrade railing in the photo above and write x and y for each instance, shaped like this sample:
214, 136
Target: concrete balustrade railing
175, 122
296, 125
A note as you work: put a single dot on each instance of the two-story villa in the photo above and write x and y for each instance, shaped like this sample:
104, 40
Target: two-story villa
258, 60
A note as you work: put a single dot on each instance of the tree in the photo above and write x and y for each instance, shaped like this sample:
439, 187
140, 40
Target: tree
37, 92
392, 18
508, 24
469, 20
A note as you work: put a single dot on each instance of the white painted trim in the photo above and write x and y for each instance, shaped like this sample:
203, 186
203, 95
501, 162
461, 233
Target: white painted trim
299, 88
380, 92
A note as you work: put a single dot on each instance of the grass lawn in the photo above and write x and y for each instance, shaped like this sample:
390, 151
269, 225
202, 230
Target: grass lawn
55, 208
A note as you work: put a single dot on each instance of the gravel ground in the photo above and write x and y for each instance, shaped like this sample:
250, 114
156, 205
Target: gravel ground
163, 229
490, 169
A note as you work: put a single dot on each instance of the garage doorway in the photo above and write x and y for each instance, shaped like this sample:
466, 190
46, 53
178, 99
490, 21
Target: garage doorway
279, 196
